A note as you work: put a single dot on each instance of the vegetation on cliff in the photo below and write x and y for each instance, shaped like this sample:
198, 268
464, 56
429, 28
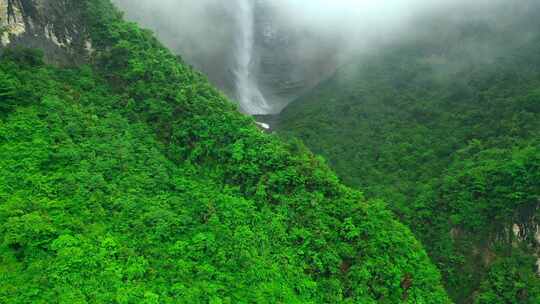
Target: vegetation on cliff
132, 180
445, 128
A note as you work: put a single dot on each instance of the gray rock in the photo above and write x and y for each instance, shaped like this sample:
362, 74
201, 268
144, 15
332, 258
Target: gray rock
288, 60
52, 26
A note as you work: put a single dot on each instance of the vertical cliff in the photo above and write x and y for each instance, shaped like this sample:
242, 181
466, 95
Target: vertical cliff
287, 60
52, 26
290, 59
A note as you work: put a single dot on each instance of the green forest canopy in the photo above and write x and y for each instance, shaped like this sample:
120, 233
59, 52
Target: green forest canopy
449, 137
132, 180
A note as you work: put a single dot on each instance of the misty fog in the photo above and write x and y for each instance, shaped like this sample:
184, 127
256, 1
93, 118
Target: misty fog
295, 44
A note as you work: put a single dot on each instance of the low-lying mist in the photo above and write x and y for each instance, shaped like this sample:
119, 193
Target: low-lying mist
295, 44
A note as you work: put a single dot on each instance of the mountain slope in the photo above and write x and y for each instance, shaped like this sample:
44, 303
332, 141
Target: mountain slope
132, 180
445, 127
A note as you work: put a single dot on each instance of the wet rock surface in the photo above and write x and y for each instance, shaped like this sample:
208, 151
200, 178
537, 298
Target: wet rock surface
287, 61
52, 26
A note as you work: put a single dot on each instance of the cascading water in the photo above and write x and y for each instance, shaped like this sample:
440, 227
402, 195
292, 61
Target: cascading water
248, 93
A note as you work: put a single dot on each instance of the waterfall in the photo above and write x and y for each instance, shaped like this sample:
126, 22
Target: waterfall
248, 93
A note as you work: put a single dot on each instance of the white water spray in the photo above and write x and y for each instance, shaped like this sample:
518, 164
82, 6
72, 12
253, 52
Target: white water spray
248, 93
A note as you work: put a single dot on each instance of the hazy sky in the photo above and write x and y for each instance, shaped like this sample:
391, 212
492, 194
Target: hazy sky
361, 18
187, 20
203, 31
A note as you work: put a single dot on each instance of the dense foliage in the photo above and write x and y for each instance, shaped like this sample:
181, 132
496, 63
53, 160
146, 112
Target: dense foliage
132, 180
510, 280
445, 127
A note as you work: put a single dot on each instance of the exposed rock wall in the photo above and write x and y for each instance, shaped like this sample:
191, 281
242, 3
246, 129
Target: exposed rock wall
528, 234
11, 23
52, 26
527, 231
287, 60
291, 60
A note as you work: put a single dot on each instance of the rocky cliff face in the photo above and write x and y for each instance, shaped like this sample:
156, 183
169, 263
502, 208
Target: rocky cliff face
287, 60
291, 60
528, 232
52, 26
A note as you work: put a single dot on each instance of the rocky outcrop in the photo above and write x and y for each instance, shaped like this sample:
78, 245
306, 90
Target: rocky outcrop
52, 26
526, 230
529, 236
290, 59
12, 23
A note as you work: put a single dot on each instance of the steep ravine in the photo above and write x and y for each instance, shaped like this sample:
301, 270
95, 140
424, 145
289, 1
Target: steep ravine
131, 179
445, 128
